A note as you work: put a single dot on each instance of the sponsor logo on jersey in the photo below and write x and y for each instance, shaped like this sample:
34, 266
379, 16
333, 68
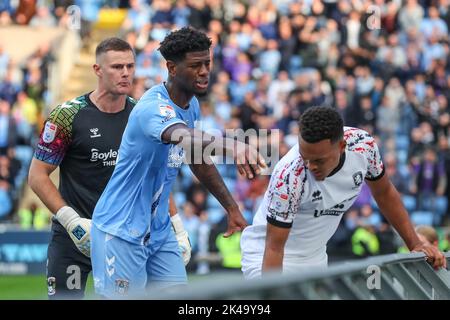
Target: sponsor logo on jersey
176, 155
167, 112
49, 132
108, 158
335, 211
94, 133
274, 214
45, 149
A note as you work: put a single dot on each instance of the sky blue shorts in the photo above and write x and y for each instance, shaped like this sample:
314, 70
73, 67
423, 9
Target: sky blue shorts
124, 270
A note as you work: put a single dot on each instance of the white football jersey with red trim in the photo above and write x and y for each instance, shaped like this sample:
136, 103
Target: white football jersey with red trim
312, 209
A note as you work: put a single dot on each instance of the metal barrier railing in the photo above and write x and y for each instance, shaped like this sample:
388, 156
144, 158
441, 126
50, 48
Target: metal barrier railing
395, 276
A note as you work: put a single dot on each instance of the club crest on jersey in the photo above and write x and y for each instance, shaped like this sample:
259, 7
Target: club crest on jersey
49, 132
122, 286
167, 111
358, 178
51, 286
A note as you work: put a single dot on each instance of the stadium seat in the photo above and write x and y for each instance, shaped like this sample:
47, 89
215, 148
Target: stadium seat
402, 156
5, 203
215, 215
409, 202
230, 183
213, 203
422, 218
402, 142
180, 198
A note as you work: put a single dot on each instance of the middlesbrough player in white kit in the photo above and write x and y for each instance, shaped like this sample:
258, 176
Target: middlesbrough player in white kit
311, 188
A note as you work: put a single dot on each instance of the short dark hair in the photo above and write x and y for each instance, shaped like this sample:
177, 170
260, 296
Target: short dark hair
112, 44
321, 123
179, 42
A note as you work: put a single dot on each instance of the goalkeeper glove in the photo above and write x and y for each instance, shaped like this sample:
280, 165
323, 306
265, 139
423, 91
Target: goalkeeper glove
79, 229
182, 238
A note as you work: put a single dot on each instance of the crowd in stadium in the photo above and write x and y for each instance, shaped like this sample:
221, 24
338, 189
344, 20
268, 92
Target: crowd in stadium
383, 64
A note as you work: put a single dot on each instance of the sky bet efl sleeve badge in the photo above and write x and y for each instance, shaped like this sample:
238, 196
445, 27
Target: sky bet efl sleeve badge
279, 205
49, 132
167, 111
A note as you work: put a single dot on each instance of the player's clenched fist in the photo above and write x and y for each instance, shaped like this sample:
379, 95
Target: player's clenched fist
79, 229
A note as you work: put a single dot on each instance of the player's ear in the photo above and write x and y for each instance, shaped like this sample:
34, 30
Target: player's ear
342, 145
97, 69
171, 67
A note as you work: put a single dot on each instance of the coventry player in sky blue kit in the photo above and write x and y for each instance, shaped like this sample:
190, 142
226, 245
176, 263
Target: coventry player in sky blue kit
132, 244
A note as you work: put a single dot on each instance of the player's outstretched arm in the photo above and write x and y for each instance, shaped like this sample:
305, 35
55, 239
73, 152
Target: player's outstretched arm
200, 145
78, 228
274, 251
194, 143
390, 204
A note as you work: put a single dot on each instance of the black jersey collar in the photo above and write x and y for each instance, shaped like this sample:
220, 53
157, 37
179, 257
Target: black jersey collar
339, 166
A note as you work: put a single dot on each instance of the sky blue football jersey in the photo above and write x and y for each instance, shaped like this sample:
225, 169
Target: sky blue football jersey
134, 205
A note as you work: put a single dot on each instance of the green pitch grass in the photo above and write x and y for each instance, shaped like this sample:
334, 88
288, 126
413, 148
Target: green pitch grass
34, 287
29, 287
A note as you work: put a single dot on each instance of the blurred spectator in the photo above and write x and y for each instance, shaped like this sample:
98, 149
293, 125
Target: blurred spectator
162, 13
229, 249
400, 182
138, 15
43, 18
433, 25
429, 182
387, 119
428, 234
204, 230
197, 195
270, 59
242, 66
411, 15
200, 15
191, 224
278, 91
9, 89
60, 8
249, 111
25, 113
25, 11
8, 131
4, 61
8, 173
89, 15
34, 217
